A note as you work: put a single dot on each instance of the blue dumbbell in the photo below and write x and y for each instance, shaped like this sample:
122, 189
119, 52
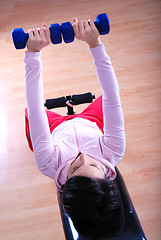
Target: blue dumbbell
102, 24
20, 37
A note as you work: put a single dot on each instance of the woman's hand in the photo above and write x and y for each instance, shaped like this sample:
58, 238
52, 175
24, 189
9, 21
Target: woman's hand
86, 31
38, 39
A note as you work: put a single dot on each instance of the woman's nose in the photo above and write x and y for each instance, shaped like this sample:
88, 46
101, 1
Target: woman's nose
83, 159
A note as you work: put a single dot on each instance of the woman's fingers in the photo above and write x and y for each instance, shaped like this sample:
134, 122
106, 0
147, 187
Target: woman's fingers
75, 26
46, 32
86, 25
80, 27
44, 25
36, 32
91, 23
31, 33
38, 38
42, 33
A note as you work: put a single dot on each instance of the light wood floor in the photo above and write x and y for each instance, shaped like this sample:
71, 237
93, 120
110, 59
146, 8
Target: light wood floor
28, 201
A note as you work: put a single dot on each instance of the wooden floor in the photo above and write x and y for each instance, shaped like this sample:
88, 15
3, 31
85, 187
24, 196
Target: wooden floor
28, 201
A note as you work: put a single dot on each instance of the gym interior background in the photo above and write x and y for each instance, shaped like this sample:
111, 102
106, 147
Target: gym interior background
28, 200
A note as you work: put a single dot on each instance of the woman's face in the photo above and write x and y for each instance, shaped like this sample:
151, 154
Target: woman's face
86, 166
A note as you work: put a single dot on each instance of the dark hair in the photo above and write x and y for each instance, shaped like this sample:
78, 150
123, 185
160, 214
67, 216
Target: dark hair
93, 205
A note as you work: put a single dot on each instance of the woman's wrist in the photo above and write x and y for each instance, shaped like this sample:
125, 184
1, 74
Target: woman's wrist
94, 43
33, 50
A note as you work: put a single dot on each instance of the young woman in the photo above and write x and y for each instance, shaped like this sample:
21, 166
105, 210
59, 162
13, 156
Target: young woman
73, 150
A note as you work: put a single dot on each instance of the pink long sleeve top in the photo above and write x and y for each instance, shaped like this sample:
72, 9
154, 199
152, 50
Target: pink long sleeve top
55, 152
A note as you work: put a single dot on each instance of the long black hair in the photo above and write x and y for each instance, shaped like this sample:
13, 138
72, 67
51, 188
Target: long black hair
93, 205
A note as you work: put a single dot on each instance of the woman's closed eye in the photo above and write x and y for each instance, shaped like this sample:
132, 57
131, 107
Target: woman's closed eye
93, 165
74, 169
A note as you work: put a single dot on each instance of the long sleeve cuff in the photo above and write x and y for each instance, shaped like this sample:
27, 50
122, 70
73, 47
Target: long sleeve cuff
33, 59
99, 52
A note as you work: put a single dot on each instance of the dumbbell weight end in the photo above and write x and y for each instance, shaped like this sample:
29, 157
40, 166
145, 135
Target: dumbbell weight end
65, 29
19, 38
102, 24
67, 32
55, 33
